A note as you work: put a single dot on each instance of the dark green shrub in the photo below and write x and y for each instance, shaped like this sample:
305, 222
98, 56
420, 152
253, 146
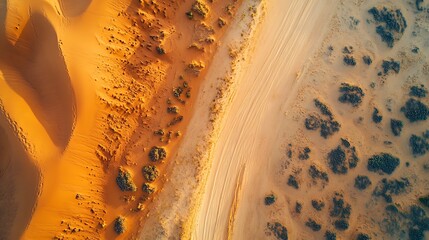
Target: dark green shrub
376, 117
330, 235
424, 200
418, 2
418, 91
175, 121
279, 231
323, 108
391, 65
150, 173
396, 126
157, 154
419, 145
312, 122
318, 204
298, 207
337, 160
292, 182
383, 162
147, 188
386, 36
304, 154
363, 236
386, 188
367, 60
125, 181
190, 15
313, 225
328, 128
390, 23
416, 234
362, 182
173, 109
160, 50
340, 208
270, 199
415, 110
341, 224
119, 225
349, 60
351, 94
315, 173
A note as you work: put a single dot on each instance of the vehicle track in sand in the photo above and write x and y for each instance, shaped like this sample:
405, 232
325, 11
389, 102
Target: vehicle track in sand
255, 116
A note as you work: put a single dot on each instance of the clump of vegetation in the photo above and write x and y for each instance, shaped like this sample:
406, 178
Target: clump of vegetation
157, 154
349, 60
391, 24
317, 204
304, 154
396, 126
330, 235
340, 210
418, 2
348, 50
391, 65
419, 145
298, 207
175, 121
119, 225
270, 199
418, 224
414, 110
200, 8
190, 15
363, 236
341, 224
343, 158
173, 109
362, 182
279, 231
160, 50
292, 182
221, 22
315, 173
367, 60
418, 91
376, 117
424, 200
328, 126
323, 108
147, 188
125, 181
383, 163
312, 122
313, 225
386, 188
150, 173
351, 94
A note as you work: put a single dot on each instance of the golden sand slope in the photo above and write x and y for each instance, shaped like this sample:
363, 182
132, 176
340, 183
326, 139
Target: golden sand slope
84, 85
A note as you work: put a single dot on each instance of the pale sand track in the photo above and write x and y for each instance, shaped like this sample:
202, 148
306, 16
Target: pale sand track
289, 34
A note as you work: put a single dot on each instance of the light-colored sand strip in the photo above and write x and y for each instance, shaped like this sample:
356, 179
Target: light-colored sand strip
288, 37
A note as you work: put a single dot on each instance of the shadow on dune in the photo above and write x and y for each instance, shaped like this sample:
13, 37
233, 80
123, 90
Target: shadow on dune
42, 70
74, 8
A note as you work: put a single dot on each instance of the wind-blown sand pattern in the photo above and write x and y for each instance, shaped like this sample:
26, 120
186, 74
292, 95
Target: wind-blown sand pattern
208, 119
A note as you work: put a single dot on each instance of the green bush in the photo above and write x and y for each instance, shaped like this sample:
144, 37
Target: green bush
270, 199
157, 154
419, 145
317, 204
125, 181
424, 200
292, 182
341, 224
386, 188
363, 236
119, 225
396, 126
279, 231
351, 94
418, 91
391, 65
330, 235
383, 162
315, 173
313, 225
362, 182
349, 60
147, 188
376, 117
150, 173
415, 110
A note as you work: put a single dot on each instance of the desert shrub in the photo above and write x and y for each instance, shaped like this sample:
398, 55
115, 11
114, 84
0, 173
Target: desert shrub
376, 117
386, 188
362, 182
351, 94
313, 225
418, 91
328, 128
304, 154
157, 154
190, 15
119, 225
383, 162
390, 23
175, 121
298, 207
323, 108
200, 8
177, 91
418, 2
341, 224
396, 126
318, 204
173, 109
159, 132
147, 188
419, 145
292, 182
160, 50
415, 234
279, 231
342, 158
414, 110
363, 236
340, 208
424, 200
330, 235
349, 60
367, 60
315, 173
312, 122
419, 223
150, 173
221, 22
391, 65
125, 181
270, 199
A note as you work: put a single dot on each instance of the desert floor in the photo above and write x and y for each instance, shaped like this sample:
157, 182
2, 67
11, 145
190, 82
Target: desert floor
208, 119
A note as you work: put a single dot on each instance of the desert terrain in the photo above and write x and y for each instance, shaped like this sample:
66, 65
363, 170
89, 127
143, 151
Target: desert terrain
214, 119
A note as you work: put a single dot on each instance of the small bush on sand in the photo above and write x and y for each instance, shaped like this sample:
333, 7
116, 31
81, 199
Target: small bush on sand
318, 204
150, 173
340, 208
349, 60
367, 60
415, 110
376, 116
323, 108
383, 163
157, 154
292, 182
298, 207
341, 224
386, 188
125, 181
270, 199
418, 91
363, 236
424, 200
362, 182
330, 235
351, 94
200, 8
279, 231
391, 24
304, 154
119, 225
316, 173
328, 128
390, 65
313, 225
312, 122
396, 126
147, 188
343, 158
419, 145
